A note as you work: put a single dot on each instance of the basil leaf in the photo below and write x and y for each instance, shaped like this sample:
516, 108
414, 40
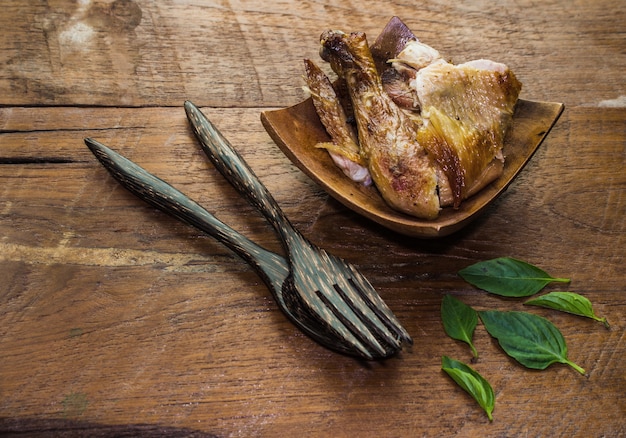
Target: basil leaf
459, 320
508, 277
472, 382
530, 339
569, 302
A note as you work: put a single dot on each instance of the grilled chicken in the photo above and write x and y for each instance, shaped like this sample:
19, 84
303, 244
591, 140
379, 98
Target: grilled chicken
466, 110
429, 132
343, 147
400, 167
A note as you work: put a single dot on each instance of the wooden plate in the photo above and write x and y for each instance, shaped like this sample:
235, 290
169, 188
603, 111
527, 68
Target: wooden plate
297, 129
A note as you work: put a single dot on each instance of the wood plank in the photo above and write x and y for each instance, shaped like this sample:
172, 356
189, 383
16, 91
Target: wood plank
149, 53
114, 316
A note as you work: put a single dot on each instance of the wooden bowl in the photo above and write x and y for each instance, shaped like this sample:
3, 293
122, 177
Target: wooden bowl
297, 129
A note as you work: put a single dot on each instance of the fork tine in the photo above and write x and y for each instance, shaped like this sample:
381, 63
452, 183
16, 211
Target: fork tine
362, 306
312, 313
358, 292
346, 319
331, 283
349, 303
312, 296
377, 305
356, 326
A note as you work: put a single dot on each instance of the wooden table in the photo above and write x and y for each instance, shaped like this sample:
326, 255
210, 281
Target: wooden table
115, 318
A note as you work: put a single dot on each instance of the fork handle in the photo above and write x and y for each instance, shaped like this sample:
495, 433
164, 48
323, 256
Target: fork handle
270, 266
235, 169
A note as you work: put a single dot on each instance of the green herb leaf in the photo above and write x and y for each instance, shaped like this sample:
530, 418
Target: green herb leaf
508, 277
472, 382
459, 320
530, 339
569, 302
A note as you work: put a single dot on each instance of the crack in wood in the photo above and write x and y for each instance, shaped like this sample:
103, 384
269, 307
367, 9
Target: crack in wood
36, 160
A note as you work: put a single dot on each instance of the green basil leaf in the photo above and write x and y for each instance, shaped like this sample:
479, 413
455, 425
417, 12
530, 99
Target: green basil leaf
459, 320
472, 382
569, 302
530, 339
508, 277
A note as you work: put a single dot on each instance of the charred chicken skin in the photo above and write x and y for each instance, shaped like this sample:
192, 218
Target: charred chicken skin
428, 132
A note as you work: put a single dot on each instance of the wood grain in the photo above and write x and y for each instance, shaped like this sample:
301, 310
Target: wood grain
249, 53
116, 318
113, 303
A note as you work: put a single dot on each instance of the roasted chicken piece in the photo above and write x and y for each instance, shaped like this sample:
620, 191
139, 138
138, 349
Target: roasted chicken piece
399, 166
429, 132
343, 148
465, 111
